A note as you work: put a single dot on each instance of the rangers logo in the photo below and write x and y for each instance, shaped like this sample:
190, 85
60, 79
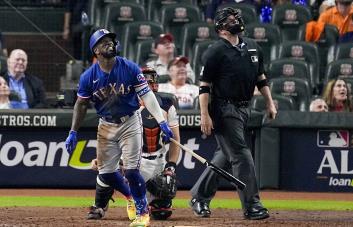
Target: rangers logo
351, 53
289, 86
203, 32
332, 138
141, 78
145, 30
290, 15
180, 12
259, 33
288, 70
346, 69
297, 51
125, 12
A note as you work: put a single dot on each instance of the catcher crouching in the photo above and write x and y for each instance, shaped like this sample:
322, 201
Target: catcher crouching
158, 173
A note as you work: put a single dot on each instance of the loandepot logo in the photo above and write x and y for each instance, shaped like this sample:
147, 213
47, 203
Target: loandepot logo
340, 182
38, 153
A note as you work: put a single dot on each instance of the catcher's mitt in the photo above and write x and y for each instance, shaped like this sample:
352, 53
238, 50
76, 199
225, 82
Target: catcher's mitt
163, 185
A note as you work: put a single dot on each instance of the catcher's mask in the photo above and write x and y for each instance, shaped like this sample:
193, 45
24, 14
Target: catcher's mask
222, 20
151, 77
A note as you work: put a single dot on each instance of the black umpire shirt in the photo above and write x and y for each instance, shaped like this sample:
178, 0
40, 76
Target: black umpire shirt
233, 70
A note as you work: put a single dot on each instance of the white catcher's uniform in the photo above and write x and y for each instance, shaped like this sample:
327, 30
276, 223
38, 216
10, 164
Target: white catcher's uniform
154, 151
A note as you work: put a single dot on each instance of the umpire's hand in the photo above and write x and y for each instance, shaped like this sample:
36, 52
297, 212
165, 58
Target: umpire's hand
206, 124
271, 111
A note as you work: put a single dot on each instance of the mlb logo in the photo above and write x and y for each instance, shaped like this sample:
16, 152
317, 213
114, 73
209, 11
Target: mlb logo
332, 138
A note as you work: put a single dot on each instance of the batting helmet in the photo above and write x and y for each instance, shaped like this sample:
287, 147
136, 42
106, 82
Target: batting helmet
221, 17
98, 35
151, 77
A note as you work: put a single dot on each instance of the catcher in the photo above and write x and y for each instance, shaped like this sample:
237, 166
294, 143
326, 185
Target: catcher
158, 174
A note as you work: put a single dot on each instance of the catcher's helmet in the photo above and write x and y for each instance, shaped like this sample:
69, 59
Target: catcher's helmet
151, 77
221, 17
98, 35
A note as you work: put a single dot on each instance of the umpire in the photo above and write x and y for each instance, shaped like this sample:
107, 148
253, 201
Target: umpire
233, 67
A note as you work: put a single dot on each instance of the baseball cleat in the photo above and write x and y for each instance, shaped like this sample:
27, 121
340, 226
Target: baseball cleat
256, 213
95, 213
131, 209
142, 220
200, 209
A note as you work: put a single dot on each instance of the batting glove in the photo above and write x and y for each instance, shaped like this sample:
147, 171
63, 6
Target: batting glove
169, 167
167, 133
71, 141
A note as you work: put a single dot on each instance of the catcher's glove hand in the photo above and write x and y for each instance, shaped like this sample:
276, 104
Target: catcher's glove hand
163, 185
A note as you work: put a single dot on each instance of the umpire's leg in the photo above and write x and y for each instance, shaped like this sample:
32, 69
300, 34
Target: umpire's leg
232, 142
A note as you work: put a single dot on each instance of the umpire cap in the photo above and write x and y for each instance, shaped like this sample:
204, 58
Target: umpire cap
98, 35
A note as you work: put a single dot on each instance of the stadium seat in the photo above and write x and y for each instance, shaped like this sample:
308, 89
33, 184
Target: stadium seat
342, 68
248, 11
197, 61
268, 37
170, 96
340, 51
96, 10
119, 14
175, 16
193, 33
289, 17
154, 7
258, 103
296, 88
288, 67
304, 51
144, 52
327, 39
138, 31
3, 65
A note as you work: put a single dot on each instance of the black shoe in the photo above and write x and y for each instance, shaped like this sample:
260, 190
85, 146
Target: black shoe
200, 209
256, 213
95, 213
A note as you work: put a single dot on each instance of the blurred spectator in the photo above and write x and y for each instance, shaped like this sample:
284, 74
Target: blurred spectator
186, 93
73, 26
318, 105
4, 94
165, 49
28, 91
340, 16
214, 4
338, 96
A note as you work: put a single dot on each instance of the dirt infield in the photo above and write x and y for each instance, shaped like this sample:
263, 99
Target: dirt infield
41, 216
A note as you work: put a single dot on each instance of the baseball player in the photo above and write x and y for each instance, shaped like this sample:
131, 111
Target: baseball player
114, 84
158, 174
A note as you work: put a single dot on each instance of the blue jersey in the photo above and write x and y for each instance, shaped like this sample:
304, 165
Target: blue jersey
114, 94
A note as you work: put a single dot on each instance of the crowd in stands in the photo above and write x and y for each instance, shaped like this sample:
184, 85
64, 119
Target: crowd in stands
307, 43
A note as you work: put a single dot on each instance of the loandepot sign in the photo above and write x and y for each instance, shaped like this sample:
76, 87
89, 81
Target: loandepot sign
38, 153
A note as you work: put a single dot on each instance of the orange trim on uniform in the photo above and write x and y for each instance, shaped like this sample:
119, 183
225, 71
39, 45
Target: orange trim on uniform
151, 136
313, 31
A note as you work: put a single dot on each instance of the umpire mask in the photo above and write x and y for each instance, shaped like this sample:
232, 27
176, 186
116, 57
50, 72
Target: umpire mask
233, 25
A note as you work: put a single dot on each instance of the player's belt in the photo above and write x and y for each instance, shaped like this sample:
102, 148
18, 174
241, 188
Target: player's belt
153, 157
118, 120
236, 103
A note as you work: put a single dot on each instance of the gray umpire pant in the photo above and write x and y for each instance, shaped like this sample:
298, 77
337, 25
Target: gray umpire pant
232, 154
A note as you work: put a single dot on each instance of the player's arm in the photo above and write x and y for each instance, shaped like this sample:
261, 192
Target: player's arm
173, 122
79, 113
